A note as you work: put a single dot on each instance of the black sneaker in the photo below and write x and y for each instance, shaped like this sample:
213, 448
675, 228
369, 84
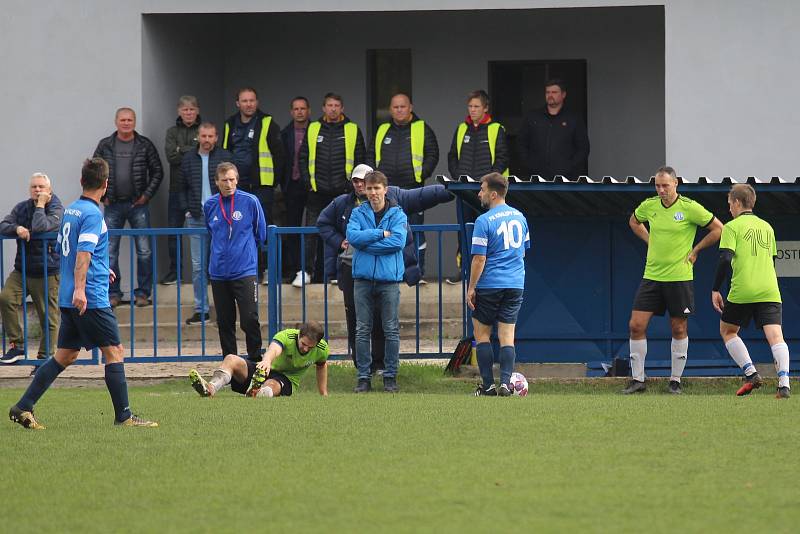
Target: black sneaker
12, 355
750, 383
634, 386
675, 387
363, 386
491, 391
783, 393
504, 391
169, 280
390, 384
198, 318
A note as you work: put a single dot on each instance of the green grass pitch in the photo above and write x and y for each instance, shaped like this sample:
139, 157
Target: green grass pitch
568, 458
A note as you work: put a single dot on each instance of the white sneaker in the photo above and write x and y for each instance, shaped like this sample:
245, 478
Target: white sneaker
300, 277
265, 280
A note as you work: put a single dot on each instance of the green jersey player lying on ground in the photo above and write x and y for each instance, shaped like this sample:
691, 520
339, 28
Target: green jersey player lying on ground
288, 357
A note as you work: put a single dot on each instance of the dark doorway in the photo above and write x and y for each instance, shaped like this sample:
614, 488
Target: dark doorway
517, 87
388, 73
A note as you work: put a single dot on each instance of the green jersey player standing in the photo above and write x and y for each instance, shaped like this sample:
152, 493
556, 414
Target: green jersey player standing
667, 282
748, 246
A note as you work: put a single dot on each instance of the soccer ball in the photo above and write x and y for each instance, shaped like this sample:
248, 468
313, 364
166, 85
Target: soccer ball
519, 384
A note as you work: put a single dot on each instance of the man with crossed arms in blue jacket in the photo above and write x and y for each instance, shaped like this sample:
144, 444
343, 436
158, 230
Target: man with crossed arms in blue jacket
332, 224
377, 231
237, 226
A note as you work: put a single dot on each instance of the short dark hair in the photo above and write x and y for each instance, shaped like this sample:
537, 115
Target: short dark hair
312, 330
496, 182
295, 99
556, 81
480, 94
376, 177
745, 194
207, 125
332, 96
246, 90
666, 169
94, 173
223, 168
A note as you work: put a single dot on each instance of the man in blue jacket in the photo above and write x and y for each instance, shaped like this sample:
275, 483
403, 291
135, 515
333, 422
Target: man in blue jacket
42, 212
237, 226
332, 224
377, 231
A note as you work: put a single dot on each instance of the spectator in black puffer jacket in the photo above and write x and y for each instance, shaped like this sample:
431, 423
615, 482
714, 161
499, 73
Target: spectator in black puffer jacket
41, 213
134, 174
198, 169
392, 153
479, 147
337, 147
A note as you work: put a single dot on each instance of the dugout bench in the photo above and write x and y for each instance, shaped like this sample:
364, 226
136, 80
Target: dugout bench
585, 264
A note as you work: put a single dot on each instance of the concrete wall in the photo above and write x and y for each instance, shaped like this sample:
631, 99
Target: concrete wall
729, 89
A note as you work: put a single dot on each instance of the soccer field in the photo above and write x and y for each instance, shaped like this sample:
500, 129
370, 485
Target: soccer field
567, 457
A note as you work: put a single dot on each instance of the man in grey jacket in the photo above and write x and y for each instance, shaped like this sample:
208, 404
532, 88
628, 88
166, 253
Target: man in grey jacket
41, 213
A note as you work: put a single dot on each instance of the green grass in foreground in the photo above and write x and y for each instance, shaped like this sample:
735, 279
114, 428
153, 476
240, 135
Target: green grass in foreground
570, 457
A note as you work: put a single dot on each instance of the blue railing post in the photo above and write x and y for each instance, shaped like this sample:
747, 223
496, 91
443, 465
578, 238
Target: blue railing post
274, 280
46, 289
21, 245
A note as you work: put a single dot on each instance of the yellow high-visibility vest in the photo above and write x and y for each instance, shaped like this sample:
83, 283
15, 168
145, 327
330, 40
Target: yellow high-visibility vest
266, 170
417, 145
350, 135
493, 129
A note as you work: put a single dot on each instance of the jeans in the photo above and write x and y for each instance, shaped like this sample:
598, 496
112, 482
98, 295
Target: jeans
419, 218
345, 283
315, 248
116, 214
197, 244
175, 219
384, 296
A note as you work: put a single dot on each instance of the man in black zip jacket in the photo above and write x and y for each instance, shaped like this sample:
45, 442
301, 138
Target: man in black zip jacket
134, 175
553, 140
332, 148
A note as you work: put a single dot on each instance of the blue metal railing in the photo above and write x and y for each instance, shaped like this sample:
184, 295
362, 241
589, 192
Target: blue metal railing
275, 237
274, 291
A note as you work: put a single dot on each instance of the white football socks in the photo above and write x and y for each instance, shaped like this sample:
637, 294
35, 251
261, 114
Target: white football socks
265, 391
638, 354
680, 350
738, 351
780, 353
220, 379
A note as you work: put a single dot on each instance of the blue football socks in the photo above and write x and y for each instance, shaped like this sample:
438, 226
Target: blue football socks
507, 357
118, 389
485, 356
44, 377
